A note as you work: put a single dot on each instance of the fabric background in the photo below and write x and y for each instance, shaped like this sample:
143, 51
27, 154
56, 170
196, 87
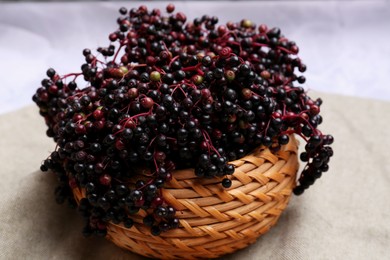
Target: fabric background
343, 43
345, 215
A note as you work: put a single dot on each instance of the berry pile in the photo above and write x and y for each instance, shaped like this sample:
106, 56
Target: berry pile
166, 94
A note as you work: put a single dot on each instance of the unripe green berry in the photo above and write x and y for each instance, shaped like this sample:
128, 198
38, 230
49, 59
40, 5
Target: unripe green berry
155, 76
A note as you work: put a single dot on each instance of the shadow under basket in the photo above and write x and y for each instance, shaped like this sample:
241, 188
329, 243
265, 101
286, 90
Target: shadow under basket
215, 221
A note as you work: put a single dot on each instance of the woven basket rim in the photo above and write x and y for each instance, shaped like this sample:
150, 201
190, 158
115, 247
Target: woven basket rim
214, 220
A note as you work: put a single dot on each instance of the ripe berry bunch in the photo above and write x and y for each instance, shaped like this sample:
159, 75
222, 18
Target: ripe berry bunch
166, 94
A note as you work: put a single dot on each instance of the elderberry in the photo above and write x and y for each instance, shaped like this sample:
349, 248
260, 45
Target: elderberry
170, 95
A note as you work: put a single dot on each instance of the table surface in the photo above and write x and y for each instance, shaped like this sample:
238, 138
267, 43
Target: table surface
344, 215
344, 43
346, 47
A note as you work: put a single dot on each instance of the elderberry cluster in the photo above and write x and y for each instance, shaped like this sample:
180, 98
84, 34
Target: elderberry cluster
168, 94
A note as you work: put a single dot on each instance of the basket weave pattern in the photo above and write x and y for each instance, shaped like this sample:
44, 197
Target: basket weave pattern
215, 221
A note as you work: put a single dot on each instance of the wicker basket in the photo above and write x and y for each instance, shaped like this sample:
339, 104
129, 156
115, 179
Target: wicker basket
215, 221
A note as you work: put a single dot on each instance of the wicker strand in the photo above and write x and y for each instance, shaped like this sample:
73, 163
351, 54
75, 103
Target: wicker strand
215, 221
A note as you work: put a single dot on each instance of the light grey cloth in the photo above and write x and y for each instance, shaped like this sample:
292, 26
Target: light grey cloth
344, 43
345, 215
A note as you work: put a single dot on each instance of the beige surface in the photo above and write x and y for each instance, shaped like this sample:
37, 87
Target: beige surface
345, 215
